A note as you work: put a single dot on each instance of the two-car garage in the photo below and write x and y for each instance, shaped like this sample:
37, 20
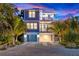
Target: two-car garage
42, 37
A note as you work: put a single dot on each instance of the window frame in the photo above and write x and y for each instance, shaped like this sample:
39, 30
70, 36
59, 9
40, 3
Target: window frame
32, 13
43, 27
32, 26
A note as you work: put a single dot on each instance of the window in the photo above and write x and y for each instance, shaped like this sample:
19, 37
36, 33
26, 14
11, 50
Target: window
32, 13
43, 27
35, 25
28, 25
31, 25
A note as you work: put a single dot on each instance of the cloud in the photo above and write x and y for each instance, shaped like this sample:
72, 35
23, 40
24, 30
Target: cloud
36, 6
61, 10
23, 5
29, 6
66, 12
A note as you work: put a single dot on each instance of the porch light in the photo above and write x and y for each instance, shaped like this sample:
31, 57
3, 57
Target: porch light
25, 35
37, 35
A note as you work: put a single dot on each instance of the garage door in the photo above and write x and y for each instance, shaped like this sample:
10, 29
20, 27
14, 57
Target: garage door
45, 38
32, 38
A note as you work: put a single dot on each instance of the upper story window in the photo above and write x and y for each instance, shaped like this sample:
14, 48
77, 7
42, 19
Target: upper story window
32, 13
43, 27
31, 25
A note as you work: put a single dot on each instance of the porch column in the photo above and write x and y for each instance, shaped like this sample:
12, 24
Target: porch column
53, 39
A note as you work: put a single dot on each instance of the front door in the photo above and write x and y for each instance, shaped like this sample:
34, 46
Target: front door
32, 38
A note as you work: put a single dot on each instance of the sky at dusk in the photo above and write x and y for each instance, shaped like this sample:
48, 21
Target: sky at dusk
61, 10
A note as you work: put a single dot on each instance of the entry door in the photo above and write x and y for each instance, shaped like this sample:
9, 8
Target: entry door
32, 38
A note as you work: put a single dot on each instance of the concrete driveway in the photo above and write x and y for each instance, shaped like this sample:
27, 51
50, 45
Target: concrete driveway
39, 50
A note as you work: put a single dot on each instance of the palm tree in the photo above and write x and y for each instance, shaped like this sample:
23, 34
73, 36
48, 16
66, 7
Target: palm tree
15, 24
18, 27
57, 28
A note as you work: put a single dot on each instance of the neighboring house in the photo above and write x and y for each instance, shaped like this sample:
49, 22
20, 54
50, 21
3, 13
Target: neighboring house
37, 22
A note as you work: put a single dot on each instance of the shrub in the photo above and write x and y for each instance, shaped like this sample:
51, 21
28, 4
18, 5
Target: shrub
70, 40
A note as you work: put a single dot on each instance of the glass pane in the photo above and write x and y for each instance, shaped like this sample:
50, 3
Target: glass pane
28, 25
40, 27
31, 13
31, 25
35, 25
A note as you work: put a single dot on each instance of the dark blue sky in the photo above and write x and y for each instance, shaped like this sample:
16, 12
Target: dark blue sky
62, 10
59, 5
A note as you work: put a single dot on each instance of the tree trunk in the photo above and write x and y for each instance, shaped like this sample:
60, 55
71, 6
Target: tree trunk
14, 39
60, 39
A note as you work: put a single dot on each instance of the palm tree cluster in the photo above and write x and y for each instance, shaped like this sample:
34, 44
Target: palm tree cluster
11, 25
67, 31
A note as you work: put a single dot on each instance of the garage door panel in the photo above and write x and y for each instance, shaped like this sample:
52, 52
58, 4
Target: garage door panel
45, 38
31, 38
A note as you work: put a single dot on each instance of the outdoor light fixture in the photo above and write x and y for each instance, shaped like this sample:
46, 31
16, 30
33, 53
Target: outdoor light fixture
38, 36
25, 35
